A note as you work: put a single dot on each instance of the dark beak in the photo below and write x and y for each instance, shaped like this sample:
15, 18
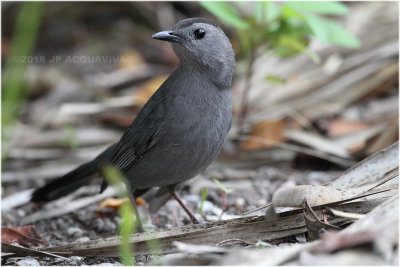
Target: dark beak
169, 36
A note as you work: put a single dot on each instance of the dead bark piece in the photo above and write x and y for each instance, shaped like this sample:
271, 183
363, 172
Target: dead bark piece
250, 229
370, 169
21, 251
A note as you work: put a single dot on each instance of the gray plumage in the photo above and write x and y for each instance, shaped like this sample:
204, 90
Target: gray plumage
182, 127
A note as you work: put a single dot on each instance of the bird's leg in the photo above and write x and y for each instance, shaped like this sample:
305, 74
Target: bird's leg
188, 212
138, 221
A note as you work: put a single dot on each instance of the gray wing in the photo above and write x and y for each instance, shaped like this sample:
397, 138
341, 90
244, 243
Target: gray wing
141, 135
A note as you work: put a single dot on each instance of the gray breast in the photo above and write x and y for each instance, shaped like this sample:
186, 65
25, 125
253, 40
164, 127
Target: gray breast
192, 135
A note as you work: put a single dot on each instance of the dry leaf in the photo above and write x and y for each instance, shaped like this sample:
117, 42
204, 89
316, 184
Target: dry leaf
339, 127
130, 58
386, 138
315, 195
334, 241
115, 203
148, 88
140, 201
25, 236
270, 132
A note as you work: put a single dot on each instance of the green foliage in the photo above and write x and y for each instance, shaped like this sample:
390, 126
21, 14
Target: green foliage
13, 93
223, 188
204, 194
70, 138
327, 31
127, 226
320, 7
125, 229
226, 14
286, 27
274, 79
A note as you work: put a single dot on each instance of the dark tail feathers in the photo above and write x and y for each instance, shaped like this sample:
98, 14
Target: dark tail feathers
66, 184
74, 179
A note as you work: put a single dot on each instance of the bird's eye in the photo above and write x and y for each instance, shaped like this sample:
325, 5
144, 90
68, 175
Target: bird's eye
199, 33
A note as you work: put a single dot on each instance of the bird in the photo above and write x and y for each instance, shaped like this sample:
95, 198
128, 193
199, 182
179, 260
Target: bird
180, 130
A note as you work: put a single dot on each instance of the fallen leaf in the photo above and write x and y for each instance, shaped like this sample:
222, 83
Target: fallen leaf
115, 203
314, 224
130, 58
25, 236
148, 88
386, 138
334, 241
271, 132
315, 195
140, 201
339, 127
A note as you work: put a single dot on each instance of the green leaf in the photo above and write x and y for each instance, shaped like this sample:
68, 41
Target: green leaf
244, 40
288, 12
223, 188
126, 228
225, 13
318, 26
259, 12
328, 31
321, 7
272, 11
274, 79
292, 43
70, 137
204, 194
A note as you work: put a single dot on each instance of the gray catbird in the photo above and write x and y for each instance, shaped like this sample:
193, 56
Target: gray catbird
181, 129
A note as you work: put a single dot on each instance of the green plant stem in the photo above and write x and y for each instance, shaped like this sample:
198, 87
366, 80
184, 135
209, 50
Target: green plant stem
13, 94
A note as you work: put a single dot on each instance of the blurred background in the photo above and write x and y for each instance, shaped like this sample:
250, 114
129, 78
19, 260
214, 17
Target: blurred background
315, 91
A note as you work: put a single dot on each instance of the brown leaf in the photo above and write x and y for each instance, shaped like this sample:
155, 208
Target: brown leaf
386, 138
140, 201
115, 203
130, 58
339, 127
265, 134
25, 236
147, 89
334, 241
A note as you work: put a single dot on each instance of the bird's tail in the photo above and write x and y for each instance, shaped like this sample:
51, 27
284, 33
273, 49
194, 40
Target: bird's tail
74, 179
66, 183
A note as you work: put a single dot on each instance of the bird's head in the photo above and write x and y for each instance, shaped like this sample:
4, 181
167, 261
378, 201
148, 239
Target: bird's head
201, 42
